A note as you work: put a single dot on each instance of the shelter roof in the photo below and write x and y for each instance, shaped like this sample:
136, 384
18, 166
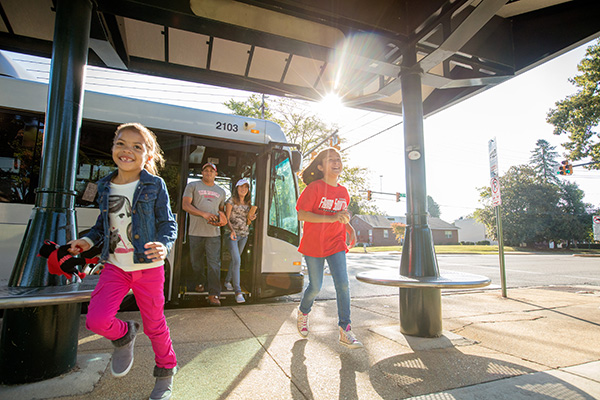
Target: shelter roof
308, 48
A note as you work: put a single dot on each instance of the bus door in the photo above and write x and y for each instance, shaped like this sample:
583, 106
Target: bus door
233, 161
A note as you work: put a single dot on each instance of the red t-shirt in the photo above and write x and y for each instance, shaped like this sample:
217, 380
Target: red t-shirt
322, 239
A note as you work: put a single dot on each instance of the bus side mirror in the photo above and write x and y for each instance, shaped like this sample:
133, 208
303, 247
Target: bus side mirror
296, 160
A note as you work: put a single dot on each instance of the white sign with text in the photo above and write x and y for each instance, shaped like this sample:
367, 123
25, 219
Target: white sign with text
494, 173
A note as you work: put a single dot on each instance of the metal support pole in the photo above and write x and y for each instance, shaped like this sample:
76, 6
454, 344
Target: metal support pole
41, 342
420, 309
501, 250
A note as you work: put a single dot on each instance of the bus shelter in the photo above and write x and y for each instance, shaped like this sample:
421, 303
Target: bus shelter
406, 57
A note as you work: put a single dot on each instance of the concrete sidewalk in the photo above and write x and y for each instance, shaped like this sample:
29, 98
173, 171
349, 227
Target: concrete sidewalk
539, 343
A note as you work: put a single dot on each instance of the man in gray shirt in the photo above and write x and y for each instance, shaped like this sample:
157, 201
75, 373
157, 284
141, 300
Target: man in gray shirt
204, 202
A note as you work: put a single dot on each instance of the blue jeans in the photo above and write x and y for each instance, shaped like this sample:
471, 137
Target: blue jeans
211, 248
236, 247
337, 267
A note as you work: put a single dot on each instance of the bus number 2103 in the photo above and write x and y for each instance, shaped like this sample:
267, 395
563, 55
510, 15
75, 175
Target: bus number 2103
226, 126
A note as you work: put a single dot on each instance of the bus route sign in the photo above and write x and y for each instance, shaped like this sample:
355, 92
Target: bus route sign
596, 221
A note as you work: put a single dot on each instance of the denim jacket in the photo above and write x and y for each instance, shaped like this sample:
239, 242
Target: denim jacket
151, 218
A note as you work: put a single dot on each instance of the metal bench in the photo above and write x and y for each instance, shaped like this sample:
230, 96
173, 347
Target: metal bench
446, 280
20, 297
420, 296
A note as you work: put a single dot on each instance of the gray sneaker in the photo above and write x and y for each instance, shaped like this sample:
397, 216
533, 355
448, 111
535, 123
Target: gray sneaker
348, 339
302, 324
239, 298
163, 389
122, 358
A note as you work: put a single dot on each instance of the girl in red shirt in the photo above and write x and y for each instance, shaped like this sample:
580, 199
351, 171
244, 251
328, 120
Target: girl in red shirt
323, 208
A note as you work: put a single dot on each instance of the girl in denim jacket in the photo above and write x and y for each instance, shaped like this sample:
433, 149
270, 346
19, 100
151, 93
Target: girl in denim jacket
136, 230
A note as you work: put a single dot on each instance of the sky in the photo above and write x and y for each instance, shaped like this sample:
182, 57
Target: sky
456, 139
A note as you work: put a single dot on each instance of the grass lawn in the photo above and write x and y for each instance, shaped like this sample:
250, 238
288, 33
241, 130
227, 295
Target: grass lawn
460, 249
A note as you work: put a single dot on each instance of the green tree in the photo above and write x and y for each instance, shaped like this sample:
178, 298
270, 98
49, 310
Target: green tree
355, 180
399, 230
525, 209
535, 211
253, 107
543, 161
307, 130
299, 125
360, 206
433, 208
572, 220
578, 115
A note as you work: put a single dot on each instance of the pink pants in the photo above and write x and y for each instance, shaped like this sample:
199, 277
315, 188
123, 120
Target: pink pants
147, 286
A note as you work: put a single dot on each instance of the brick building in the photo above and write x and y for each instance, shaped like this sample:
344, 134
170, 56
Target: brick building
441, 231
375, 230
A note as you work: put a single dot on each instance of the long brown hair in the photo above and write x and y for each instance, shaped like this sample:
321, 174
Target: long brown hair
236, 196
157, 158
312, 173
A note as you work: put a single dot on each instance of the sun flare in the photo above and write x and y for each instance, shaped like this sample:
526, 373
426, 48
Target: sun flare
330, 105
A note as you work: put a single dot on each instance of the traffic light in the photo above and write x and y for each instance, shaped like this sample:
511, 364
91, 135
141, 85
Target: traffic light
397, 197
369, 194
565, 168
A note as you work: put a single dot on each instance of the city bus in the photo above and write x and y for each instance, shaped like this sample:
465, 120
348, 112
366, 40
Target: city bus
241, 147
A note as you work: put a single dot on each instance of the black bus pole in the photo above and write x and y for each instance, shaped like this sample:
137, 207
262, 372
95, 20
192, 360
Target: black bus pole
420, 309
41, 342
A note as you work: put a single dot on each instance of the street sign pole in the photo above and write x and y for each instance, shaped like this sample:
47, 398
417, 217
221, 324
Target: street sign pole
501, 250
497, 202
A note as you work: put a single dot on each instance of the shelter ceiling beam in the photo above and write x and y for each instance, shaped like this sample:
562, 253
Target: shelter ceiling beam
180, 16
240, 82
106, 40
464, 32
452, 44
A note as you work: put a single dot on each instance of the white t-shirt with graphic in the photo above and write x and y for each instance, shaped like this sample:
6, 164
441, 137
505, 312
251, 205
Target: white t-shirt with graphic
120, 252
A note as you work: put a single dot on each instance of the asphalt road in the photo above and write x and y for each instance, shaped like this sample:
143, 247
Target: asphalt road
522, 270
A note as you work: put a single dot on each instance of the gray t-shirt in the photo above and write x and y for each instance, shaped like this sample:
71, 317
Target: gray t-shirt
204, 198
